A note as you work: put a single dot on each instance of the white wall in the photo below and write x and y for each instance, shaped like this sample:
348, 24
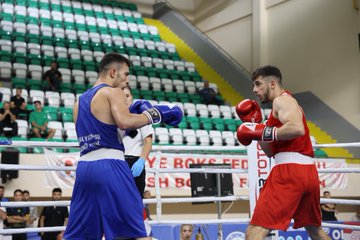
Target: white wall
314, 43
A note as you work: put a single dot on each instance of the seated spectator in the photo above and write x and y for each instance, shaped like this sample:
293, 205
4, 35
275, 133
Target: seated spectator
8, 125
39, 121
186, 231
33, 210
53, 216
53, 77
3, 214
209, 95
18, 216
328, 210
18, 103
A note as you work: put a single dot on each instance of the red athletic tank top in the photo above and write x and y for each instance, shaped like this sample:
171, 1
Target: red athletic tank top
300, 144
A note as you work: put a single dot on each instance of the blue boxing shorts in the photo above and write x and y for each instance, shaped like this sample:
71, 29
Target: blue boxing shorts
105, 200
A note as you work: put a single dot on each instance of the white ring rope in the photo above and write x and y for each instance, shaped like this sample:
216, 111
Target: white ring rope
168, 200
337, 145
192, 221
157, 147
163, 170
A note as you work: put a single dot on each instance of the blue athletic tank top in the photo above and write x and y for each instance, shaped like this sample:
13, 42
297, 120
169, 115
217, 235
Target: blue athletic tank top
92, 133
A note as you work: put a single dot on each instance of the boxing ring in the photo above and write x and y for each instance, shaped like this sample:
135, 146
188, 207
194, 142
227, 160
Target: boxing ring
159, 200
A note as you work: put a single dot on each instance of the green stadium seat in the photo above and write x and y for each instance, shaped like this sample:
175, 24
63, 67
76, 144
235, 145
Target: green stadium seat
21, 149
206, 123
193, 122
67, 117
65, 87
19, 82
59, 150
5, 56
65, 110
183, 123
37, 149
159, 95
230, 124
34, 84
218, 124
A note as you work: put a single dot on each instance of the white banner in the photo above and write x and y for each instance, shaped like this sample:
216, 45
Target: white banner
259, 169
65, 179
62, 179
332, 180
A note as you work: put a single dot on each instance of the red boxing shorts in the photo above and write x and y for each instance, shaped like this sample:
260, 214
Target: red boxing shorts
291, 191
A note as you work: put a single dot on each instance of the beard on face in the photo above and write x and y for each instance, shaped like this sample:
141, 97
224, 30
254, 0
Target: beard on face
265, 96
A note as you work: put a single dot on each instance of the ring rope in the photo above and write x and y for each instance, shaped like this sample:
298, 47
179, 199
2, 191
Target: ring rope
192, 221
157, 147
164, 170
167, 200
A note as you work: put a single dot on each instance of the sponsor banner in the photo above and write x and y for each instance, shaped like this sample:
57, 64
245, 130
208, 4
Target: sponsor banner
62, 179
332, 180
65, 179
237, 232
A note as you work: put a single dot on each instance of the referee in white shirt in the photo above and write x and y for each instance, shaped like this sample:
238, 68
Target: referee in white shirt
138, 144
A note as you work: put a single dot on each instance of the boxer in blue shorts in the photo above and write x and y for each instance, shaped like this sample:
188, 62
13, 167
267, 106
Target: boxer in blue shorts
105, 200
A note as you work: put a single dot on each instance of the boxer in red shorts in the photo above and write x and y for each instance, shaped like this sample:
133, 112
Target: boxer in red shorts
292, 189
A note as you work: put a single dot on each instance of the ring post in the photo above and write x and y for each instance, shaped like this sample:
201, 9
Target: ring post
218, 205
157, 185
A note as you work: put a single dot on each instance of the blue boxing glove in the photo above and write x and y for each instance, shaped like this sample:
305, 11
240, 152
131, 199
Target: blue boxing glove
169, 114
138, 167
139, 106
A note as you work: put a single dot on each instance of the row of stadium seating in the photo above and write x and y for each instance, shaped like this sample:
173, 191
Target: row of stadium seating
99, 6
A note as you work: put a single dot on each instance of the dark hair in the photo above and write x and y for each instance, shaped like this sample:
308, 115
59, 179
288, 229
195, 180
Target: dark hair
266, 71
18, 88
326, 192
26, 191
112, 58
57, 190
18, 190
2, 187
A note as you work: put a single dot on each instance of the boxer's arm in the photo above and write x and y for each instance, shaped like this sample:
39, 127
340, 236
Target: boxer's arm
121, 114
265, 146
288, 111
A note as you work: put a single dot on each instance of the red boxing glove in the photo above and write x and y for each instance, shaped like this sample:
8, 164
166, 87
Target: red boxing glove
249, 111
247, 132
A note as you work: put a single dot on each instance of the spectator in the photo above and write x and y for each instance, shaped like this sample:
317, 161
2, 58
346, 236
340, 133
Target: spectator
8, 125
53, 77
147, 195
39, 122
3, 214
1, 96
328, 210
54, 216
18, 103
209, 95
18, 216
186, 231
33, 210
